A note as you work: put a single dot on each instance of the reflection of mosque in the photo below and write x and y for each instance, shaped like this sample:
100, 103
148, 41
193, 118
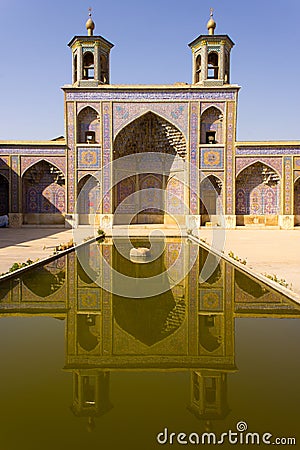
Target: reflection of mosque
189, 327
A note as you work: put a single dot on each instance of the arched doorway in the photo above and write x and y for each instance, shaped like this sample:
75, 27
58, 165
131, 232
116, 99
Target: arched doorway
88, 126
297, 201
152, 196
210, 199
88, 199
211, 126
43, 194
258, 195
4, 196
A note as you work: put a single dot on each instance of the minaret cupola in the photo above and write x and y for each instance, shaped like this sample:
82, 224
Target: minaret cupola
211, 57
90, 58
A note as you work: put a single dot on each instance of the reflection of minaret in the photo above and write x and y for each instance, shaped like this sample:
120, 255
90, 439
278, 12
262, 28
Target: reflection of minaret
90, 394
209, 394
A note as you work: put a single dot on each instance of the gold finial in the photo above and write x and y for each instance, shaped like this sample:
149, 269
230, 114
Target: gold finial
90, 26
211, 24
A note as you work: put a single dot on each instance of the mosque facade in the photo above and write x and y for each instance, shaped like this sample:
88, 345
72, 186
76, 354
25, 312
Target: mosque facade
183, 137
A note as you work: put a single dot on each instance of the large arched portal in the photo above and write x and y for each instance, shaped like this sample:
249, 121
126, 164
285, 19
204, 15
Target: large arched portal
43, 194
257, 194
155, 184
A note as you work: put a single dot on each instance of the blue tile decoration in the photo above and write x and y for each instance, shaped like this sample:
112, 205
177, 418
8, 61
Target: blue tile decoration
212, 158
88, 158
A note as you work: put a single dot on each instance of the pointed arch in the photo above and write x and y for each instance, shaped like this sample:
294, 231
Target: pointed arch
88, 126
198, 69
104, 76
162, 131
44, 282
92, 105
297, 200
261, 161
144, 112
258, 190
148, 133
211, 128
88, 66
213, 65
43, 186
210, 198
88, 200
25, 167
217, 108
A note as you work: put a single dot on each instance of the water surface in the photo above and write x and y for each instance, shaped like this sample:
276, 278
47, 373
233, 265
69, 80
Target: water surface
83, 367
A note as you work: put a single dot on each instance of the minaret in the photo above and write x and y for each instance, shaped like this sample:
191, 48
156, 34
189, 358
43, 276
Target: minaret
90, 58
211, 57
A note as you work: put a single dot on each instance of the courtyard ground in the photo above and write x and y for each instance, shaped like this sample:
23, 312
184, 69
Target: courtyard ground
266, 251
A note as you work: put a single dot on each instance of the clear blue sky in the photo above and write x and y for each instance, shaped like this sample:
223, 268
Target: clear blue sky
150, 47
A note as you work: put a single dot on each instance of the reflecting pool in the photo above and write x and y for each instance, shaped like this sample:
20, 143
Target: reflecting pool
83, 366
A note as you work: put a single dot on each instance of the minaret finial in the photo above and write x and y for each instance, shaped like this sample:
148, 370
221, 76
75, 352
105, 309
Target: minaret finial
211, 24
90, 26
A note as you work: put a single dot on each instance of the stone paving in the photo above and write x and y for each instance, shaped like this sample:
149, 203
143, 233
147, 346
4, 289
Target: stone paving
19, 244
266, 251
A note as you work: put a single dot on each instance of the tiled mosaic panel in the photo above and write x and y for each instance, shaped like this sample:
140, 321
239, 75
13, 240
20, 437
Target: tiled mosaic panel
297, 163
115, 96
275, 163
58, 161
288, 184
217, 174
4, 162
175, 196
107, 304
88, 158
15, 166
81, 105
211, 300
194, 173
229, 159
88, 120
151, 195
89, 299
212, 158
33, 151
176, 113
263, 150
210, 121
206, 105
71, 157
254, 195
107, 194
125, 189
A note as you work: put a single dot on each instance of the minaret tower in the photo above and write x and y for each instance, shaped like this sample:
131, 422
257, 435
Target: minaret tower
90, 58
211, 57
